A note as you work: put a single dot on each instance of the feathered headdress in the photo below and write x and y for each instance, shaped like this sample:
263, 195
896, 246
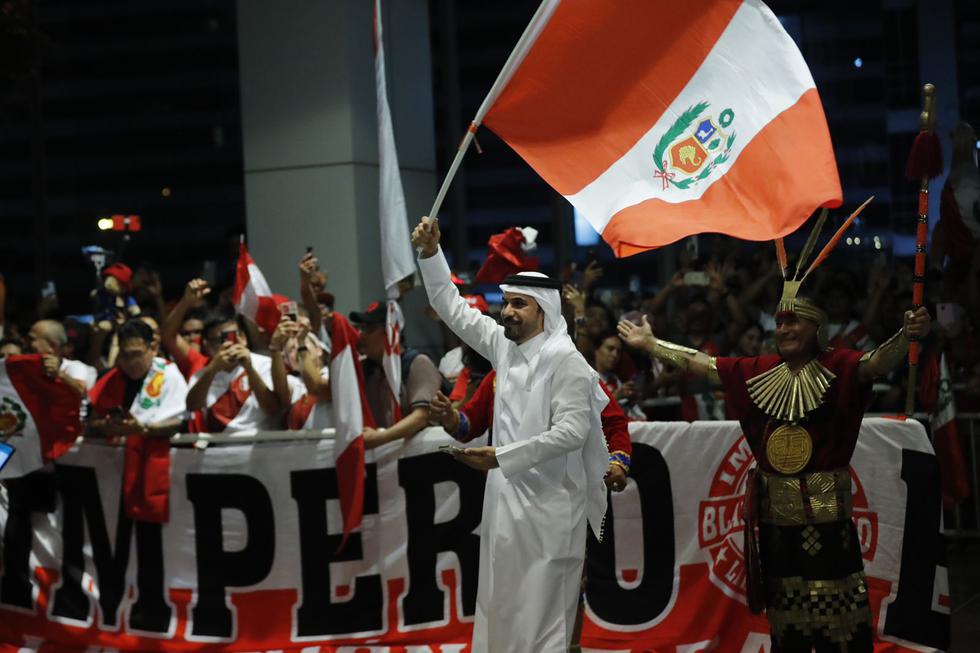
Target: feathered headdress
789, 302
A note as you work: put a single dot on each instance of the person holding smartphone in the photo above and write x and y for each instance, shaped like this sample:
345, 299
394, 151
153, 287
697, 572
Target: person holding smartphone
234, 390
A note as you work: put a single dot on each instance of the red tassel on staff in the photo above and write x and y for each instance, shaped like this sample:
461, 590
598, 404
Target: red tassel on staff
925, 162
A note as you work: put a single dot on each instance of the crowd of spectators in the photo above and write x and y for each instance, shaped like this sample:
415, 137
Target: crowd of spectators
242, 378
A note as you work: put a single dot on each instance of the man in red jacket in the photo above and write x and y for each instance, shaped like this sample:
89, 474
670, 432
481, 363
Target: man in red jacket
474, 418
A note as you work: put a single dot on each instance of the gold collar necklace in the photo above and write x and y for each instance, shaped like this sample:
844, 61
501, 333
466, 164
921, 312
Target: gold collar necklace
787, 396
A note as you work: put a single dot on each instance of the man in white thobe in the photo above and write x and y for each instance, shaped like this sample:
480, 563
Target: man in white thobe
546, 467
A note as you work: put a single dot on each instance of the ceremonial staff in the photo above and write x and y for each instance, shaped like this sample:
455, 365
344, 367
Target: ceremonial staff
925, 162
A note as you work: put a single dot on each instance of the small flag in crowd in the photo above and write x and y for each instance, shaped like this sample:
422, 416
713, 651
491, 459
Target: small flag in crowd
39, 416
946, 441
658, 122
351, 416
252, 296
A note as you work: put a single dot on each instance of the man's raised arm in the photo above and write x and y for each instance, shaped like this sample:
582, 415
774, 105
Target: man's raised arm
480, 332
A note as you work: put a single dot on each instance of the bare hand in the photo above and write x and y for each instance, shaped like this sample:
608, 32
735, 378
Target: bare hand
441, 412
225, 360
195, 290
576, 298
638, 337
51, 364
591, 274
123, 426
625, 391
285, 330
308, 265
426, 236
481, 458
242, 355
615, 478
917, 323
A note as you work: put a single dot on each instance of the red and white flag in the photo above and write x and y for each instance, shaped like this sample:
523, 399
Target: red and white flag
351, 415
660, 120
39, 416
252, 296
946, 440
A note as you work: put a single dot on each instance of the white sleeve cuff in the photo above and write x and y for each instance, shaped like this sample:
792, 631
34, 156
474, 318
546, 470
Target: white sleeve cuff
513, 458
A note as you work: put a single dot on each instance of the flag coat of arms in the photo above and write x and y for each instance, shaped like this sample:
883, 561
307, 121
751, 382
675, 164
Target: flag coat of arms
658, 120
39, 416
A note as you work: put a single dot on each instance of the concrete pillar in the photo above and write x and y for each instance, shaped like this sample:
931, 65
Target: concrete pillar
310, 136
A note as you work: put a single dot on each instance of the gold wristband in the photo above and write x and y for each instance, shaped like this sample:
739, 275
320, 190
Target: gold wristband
890, 353
682, 357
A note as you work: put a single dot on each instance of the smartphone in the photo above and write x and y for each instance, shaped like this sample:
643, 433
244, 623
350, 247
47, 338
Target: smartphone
6, 451
695, 278
230, 336
309, 249
290, 310
209, 272
452, 450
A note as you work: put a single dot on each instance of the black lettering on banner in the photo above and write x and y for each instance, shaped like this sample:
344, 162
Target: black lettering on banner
81, 507
316, 614
910, 615
36, 492
644, 603
218, 569
425, 602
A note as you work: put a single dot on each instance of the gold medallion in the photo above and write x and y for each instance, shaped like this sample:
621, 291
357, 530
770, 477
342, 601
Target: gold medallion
789, 448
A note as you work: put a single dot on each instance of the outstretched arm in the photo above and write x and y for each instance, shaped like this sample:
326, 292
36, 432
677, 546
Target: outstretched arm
479, 331
689, 360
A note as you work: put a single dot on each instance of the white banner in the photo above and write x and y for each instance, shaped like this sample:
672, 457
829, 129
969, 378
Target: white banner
248, 561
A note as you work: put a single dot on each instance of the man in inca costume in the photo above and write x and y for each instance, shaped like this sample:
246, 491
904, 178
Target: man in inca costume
801, 412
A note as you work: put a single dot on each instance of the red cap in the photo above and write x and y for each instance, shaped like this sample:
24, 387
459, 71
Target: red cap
120, 271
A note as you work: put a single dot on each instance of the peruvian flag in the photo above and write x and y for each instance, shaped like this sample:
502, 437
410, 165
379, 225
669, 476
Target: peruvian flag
351, 415
252, 296
658, 120
946, 441
39, 416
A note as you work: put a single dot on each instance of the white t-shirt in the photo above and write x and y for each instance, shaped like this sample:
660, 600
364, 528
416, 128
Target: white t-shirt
321, 417
80, 372
250, 416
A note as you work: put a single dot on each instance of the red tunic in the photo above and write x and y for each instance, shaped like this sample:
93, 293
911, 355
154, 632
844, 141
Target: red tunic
479, 413
833, 426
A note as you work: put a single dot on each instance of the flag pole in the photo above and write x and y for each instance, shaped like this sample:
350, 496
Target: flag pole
925, 162
531, 32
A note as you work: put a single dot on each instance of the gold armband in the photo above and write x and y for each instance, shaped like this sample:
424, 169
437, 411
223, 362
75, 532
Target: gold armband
682, 357
888, 355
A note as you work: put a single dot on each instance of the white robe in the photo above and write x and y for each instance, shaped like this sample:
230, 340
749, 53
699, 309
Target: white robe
532, 537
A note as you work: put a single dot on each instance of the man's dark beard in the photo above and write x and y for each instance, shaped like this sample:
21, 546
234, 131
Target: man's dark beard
513, 330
